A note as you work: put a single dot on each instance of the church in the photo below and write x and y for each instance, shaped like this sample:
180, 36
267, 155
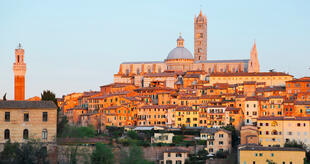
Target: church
180, 60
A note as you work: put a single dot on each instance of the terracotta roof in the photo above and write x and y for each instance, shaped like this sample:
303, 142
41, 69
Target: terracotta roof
176, 150
185, 108
213, 130
158, 106
261, 148
303, 79
251, 74
283, 118
163, 74
232, 109
192, 76
27, 104
302, 103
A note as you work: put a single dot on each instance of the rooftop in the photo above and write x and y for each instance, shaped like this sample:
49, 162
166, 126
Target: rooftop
27, 104
261, 148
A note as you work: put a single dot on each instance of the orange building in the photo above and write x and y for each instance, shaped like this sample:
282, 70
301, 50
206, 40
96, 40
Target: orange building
19, 68
293, 87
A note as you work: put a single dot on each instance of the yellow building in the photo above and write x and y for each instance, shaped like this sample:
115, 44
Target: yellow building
174, 156
278, 130
186, 116
23, 120
259, 155
270, 78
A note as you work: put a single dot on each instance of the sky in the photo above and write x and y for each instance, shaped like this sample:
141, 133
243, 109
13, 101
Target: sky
77, 45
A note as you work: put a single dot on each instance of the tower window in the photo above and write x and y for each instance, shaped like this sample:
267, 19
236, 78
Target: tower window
201, 35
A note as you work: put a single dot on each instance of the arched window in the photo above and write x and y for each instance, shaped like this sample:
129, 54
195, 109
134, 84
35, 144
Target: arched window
26, 134
44, 134
6, 134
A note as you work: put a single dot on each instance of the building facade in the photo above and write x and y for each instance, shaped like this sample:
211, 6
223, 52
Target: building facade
23, 120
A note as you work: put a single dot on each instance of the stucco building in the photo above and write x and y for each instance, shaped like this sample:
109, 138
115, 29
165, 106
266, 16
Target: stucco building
252, 154
23, 120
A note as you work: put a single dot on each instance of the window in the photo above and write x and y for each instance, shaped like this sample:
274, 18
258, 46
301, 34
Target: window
178, 155
260, 154
221, 143
255, 154
7, 116
272, 154
298, 124
44, 134
168, 162
25, 134
6, 134
210, 150
253, 162
26, 117
221, 135
178, 162
44, 116
169, 155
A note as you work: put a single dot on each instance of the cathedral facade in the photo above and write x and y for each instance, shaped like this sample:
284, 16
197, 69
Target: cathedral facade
180, 60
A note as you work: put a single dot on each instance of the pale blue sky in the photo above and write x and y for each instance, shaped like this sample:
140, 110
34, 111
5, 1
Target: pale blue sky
77, 45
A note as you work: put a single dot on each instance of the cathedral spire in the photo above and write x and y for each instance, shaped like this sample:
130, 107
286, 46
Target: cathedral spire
254, 64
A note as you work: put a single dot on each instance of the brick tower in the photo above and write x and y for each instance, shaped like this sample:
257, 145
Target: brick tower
200, 36
19, 68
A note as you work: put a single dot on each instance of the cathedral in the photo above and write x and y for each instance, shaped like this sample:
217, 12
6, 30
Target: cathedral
180, 60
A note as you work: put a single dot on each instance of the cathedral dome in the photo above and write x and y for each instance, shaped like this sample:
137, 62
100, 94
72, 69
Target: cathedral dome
180, 52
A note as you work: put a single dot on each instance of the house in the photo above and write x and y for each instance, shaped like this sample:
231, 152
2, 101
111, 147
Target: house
174, 156
217, 139
23, 120
163, 138
254, 154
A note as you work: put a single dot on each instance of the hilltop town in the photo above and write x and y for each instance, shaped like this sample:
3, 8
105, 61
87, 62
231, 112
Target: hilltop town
184, 109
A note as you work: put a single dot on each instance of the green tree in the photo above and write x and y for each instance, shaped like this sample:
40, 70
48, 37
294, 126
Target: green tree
135, 156
133, 134
32, 152
102, 155
48, 95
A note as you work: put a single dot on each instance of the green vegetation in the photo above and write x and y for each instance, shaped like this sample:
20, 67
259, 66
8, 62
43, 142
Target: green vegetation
47, 95
135, 156
114, 131
199, 158
221, 154
102, 155
79, 132
299, 145
32, 152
